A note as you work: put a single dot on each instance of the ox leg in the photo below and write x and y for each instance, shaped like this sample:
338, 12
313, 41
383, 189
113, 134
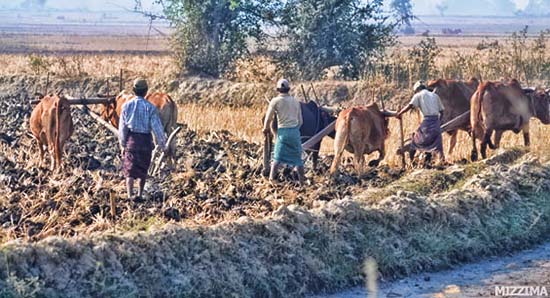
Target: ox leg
498, 137
58, 158
359, 161
172, 156
526, 138
130, 187
452, 142
41, 149
428, 157
412, 154
41, 142
52, 156
473, 155
486, 141
381, 154
315, 158
339, 145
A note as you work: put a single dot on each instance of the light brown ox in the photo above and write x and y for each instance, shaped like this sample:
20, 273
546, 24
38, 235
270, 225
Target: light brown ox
360, 130
52, 125
498, 107
168, 111
455, 96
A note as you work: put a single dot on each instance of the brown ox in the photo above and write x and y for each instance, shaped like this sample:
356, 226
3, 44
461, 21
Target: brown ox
498, 107
168, 112
455, 96
360, 130
51, 125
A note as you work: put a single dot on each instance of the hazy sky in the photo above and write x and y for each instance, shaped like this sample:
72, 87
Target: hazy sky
420, 6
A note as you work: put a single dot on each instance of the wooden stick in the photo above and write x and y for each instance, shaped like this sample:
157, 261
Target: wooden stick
100, 120
304, 92
402, 139
314, 93
83, 101
47, 83
120, 82
90, 101
267, 154
161, 157
454, 123
319, 136
112, 199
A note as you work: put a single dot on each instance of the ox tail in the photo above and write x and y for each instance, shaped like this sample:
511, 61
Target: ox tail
57, 145
173, 123
386, 128
477, 109
340, 143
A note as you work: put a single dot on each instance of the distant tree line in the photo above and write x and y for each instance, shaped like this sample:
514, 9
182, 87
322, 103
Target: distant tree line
307, 36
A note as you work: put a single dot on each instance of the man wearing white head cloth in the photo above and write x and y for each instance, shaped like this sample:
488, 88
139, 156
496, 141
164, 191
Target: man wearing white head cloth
288, 147
427, 137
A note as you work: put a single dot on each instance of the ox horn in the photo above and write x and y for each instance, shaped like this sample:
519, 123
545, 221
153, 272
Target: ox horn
529, 90
387, 113
330, 110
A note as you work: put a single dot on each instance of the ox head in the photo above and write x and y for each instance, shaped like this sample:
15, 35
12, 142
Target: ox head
473, 83
328, 115
109, 112
540, 100
439, 86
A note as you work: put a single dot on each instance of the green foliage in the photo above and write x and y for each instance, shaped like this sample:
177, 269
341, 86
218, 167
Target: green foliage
403, 12
520, 56
38, 64
211, 34
403, 68
25, 287
325, 33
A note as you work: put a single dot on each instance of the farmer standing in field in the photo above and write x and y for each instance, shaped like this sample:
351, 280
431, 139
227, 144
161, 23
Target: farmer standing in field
288, 147
137, 120
427, 137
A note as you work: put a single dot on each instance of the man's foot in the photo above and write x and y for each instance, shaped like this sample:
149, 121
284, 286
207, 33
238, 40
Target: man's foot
138, 199
274, 182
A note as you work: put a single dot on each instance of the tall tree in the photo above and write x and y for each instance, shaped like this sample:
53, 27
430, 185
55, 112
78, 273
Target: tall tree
211, 34
325, 33
403, 11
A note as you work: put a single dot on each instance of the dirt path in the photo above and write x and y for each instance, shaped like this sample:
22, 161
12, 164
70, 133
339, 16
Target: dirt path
527, 268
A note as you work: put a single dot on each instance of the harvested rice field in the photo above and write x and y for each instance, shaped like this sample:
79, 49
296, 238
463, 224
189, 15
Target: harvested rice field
75, 232
213, 225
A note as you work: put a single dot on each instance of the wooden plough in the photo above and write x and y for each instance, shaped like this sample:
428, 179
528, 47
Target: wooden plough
450, 125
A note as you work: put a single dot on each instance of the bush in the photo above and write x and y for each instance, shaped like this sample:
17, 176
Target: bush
326, 33
210, 35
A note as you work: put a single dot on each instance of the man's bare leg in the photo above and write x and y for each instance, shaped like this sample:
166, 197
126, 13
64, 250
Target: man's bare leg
141, 187
274, 170
130, 187
301, 174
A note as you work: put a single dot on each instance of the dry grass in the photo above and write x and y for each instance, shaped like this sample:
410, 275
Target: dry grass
243, 122
98, 66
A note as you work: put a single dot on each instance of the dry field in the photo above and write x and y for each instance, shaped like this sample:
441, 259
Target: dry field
74, 232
